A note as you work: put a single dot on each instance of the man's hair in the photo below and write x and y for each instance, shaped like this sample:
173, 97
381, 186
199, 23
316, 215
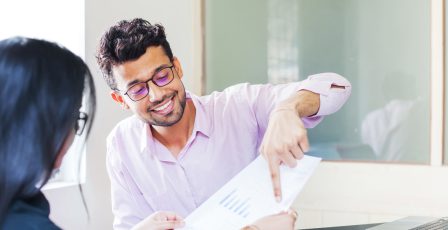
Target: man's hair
127, 41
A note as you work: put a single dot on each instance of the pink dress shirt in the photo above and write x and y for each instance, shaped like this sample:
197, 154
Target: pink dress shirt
228, 128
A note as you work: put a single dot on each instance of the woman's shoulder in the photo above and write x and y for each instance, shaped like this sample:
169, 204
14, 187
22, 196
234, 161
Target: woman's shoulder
29, 213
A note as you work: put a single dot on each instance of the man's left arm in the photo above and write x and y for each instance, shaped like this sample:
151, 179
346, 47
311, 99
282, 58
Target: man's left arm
285, 139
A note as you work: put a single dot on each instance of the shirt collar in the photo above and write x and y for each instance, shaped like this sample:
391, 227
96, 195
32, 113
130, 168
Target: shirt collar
145, 137
202, 123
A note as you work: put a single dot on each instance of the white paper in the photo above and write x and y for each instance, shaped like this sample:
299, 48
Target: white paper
249, 196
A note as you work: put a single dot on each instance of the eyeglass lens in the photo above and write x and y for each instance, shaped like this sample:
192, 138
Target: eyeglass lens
161, 78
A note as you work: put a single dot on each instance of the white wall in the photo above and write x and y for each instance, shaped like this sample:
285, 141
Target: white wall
181, 22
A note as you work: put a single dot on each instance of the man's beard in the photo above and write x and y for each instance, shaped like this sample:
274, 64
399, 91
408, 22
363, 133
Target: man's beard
177, 115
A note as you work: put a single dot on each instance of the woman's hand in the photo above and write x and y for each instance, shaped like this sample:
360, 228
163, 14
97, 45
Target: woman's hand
281, 221
160, 221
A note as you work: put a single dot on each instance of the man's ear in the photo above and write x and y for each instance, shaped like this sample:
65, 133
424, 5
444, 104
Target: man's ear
119, 99
178, 67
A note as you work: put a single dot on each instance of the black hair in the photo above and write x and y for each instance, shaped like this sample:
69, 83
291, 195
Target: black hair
41, 89
127, 41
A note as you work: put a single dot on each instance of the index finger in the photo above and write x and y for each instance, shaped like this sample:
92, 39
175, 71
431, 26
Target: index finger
304, 144
275, 177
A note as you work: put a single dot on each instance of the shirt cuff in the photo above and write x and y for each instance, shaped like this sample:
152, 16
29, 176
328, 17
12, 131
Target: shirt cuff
331, 99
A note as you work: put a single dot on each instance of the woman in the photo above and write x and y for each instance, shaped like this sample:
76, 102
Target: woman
42, 87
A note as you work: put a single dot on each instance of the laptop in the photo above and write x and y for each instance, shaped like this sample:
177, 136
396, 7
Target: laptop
414, 223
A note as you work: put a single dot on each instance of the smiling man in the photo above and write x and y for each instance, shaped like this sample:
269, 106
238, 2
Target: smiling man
179, 148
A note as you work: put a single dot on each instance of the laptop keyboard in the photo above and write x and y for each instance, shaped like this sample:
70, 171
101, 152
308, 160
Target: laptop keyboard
440, 224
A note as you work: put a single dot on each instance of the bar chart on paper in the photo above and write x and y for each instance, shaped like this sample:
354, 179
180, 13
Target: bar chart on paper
235, 204
248, 196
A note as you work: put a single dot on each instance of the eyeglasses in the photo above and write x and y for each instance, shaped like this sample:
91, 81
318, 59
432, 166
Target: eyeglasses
161, 78
81, 123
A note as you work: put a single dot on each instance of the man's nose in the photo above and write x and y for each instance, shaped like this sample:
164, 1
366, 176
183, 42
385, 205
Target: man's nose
155, 93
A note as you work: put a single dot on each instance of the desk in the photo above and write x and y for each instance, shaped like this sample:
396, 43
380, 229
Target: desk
348, 227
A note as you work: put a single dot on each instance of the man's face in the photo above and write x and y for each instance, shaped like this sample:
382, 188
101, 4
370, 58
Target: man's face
163, 106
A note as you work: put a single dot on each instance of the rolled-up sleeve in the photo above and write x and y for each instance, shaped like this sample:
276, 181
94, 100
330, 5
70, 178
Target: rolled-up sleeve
264, 98
331, 99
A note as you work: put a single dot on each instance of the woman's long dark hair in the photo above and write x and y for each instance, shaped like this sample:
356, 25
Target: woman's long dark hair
41, 92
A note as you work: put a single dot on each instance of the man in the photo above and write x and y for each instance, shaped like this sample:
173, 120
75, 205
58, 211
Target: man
178, 148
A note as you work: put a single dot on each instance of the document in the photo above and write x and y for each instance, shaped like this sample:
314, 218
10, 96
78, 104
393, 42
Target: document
249, 196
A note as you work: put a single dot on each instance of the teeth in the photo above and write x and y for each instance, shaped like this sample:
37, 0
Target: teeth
163, 106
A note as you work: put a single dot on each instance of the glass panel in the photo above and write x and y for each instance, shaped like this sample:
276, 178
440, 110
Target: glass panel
381, 46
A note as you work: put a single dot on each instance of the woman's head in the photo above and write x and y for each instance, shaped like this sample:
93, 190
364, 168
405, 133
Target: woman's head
41, 90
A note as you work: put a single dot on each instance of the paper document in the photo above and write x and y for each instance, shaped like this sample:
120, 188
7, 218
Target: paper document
249, 196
